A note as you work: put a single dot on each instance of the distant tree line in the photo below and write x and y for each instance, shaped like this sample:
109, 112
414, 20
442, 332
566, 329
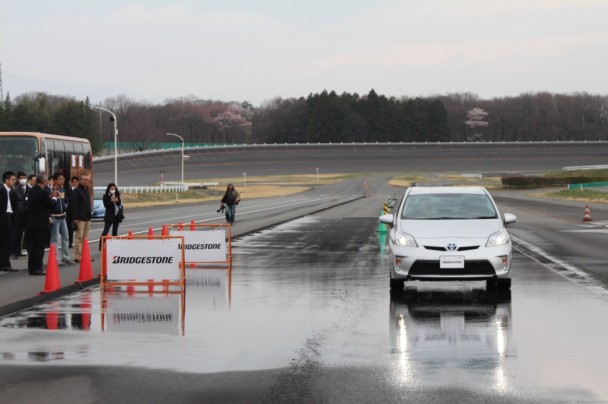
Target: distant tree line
328, 117
324, 117
39, 112
528, 117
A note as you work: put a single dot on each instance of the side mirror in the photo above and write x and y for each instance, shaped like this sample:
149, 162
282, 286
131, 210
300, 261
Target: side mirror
386, 219
42, 165
510, 218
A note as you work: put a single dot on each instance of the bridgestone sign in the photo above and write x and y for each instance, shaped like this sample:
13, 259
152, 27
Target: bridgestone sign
142, 260
204, 245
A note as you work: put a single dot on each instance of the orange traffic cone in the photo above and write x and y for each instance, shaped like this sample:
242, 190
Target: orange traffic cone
587, 215
192, 226
180, 226
52, 283
130, 236
86, 271
165, 232
151, 233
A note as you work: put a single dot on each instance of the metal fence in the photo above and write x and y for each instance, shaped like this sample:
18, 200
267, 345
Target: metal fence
151, 189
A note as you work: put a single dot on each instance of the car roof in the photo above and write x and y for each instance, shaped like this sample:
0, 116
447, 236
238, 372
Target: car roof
447, 190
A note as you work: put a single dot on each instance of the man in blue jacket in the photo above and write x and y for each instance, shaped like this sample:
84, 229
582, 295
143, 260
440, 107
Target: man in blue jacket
58, 220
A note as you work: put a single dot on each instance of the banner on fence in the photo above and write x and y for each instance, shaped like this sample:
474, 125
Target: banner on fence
204, 245
143, 260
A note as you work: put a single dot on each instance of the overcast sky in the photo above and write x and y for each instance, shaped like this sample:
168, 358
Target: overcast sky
254, 51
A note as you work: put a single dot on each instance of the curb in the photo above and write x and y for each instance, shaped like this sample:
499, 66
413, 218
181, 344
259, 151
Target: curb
43, 298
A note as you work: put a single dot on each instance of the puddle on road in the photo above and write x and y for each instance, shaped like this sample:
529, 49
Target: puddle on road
135, 310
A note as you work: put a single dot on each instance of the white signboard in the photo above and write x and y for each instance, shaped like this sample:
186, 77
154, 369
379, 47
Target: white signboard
141, 260
204, 245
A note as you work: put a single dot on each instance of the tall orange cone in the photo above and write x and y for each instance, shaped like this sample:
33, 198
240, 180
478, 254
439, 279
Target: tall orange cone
130, 236
192, 225
165, 232
587, 214
86, 271
52, 283
180, 226
151, 233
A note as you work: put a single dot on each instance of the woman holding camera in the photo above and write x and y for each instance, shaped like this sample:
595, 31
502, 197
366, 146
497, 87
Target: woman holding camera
114, 211
229, 201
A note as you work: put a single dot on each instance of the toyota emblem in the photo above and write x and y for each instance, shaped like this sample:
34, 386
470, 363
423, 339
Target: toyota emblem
452, 247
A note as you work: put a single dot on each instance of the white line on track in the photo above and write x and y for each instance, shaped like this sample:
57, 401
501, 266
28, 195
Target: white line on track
588, 281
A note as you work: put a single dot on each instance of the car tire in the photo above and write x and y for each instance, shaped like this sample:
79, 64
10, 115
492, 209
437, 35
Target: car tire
397, 284
503, 284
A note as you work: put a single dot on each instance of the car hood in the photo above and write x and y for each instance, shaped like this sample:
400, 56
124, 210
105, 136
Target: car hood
97, 204
450, 228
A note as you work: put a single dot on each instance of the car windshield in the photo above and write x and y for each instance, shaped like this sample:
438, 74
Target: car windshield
448, 206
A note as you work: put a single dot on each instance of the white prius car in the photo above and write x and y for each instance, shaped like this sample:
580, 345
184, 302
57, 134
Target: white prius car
449, 233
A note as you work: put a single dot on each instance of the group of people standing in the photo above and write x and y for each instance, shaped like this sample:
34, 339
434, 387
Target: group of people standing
36, 212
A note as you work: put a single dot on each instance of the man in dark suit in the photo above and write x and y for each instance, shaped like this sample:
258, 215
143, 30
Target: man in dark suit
70, 216
18, 201
38, 225
29, 184
6, 220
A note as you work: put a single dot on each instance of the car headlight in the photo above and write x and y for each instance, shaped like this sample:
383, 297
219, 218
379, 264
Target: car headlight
405, 240
498, 238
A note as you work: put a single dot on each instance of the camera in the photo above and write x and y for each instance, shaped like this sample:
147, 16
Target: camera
221, 209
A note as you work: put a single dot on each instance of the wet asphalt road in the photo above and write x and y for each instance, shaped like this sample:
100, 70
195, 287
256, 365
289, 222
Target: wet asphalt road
306, 316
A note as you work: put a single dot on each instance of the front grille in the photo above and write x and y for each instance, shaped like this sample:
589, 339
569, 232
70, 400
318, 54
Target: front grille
473, 267
467, 248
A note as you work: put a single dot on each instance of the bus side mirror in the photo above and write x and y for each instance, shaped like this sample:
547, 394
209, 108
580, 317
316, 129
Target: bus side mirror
41, 165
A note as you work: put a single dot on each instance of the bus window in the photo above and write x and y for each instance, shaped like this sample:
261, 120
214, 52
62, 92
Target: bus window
18, 153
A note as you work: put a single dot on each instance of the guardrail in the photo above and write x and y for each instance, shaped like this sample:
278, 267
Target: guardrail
576, 168
151, 189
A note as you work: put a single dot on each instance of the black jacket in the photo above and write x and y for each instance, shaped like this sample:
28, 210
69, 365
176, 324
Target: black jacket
39, 203
81, 204
110, 214
18, 201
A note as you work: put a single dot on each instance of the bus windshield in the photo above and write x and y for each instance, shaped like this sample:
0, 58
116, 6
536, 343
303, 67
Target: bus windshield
19, 153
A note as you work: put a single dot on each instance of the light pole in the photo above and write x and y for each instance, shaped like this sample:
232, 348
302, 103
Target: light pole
182, 139
113, 119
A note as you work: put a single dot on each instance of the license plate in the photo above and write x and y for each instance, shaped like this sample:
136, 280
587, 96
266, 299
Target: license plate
451, 261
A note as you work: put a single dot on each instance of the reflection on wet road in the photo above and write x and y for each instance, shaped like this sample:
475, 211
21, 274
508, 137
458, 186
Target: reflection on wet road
309, 299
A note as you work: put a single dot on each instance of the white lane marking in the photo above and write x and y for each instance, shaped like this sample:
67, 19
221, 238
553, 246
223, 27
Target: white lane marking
590, 282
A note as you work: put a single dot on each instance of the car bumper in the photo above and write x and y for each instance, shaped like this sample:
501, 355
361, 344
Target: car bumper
421, 264
97, 215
